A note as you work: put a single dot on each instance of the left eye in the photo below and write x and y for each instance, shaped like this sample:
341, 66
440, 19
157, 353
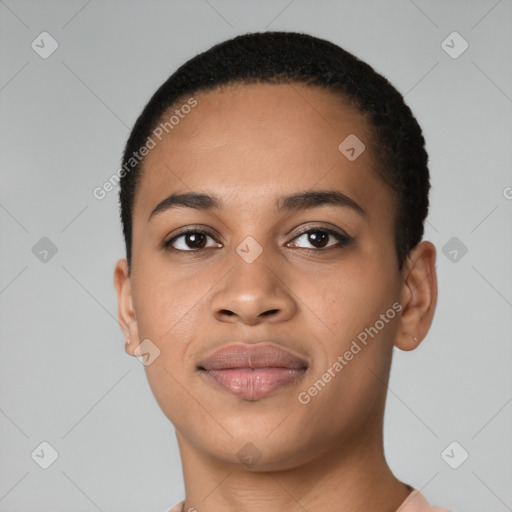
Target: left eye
321, 236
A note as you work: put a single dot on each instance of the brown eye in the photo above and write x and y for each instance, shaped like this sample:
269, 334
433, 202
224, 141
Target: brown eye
319, 238
190, 240
195, 240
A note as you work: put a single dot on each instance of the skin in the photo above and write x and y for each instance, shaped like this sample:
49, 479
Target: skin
249, 145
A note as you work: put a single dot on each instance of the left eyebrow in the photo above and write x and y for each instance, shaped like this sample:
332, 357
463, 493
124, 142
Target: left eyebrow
314, 199
298, 201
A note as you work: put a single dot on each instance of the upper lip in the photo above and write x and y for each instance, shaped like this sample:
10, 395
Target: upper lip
259, 355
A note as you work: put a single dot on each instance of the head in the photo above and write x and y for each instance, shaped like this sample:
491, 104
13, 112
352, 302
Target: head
303, 176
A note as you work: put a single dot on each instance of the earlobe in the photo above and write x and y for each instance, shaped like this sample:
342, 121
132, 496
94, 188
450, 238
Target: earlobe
419, 296
125, 311
406, 341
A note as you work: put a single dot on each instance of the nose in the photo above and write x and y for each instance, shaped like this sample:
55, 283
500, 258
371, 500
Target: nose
253, 293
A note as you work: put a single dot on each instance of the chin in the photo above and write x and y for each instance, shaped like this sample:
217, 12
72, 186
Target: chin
255, 451
259, 457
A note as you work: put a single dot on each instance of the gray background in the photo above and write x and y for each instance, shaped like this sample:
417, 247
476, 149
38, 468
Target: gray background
64, 376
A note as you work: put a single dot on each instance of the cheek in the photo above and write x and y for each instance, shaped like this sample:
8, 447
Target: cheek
168, 313
344, 300
351, 316
166, 304
352, 356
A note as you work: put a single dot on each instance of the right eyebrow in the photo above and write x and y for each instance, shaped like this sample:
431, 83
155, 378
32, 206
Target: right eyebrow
194, 200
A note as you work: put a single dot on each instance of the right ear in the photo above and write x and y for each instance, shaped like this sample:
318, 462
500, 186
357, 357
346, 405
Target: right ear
125, 312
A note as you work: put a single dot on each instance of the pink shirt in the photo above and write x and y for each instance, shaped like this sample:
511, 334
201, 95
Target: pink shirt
415, 502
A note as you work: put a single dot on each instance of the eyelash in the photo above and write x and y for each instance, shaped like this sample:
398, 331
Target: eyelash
343, 240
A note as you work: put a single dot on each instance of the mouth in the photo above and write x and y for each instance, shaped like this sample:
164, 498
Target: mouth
254, 371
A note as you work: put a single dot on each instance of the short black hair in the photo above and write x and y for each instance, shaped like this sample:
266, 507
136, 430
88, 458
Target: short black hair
292, 57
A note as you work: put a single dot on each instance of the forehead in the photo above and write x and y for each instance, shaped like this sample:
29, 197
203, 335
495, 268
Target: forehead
252, 143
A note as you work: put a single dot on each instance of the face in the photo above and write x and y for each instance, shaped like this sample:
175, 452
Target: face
310, 276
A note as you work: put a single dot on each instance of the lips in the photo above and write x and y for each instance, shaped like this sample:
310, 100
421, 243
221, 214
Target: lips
252, 371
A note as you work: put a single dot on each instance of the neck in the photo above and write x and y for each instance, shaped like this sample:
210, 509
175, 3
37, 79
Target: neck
352, 476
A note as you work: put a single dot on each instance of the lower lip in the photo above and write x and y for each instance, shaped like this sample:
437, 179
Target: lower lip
253, 384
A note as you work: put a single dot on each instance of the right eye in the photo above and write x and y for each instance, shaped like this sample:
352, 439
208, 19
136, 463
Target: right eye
190, 240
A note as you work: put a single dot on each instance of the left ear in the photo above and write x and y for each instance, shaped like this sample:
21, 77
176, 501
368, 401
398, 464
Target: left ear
418, 297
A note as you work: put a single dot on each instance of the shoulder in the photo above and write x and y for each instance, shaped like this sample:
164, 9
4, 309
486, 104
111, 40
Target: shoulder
176, 508
416, 502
